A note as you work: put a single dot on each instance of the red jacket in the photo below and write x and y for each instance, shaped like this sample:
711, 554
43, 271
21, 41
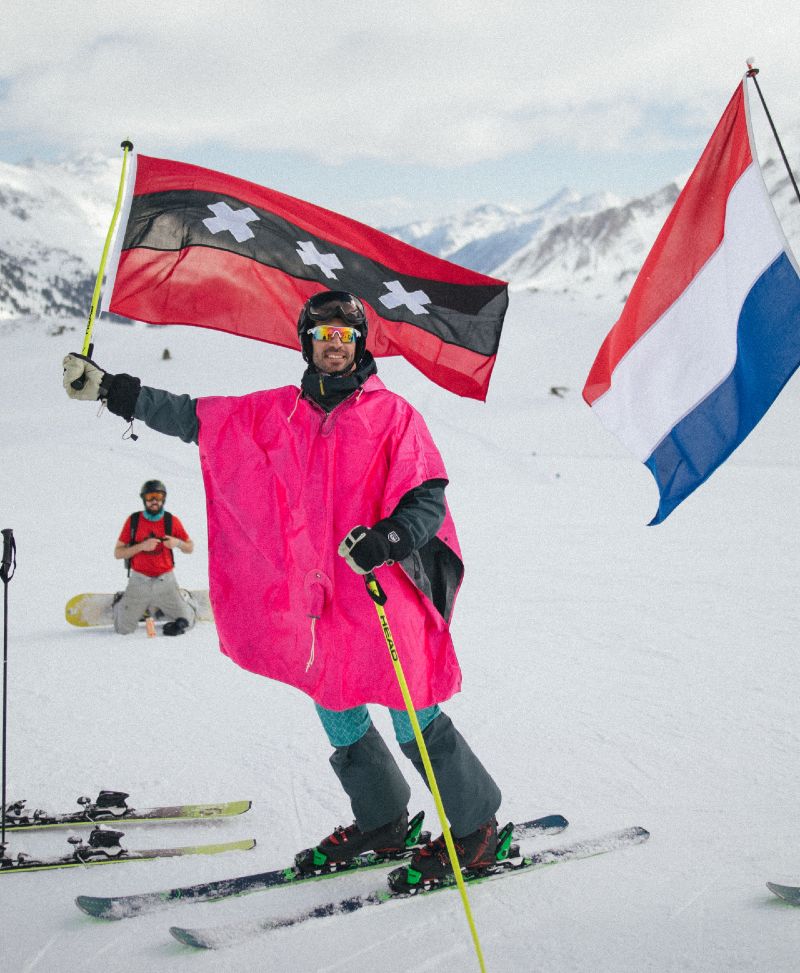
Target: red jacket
159, 561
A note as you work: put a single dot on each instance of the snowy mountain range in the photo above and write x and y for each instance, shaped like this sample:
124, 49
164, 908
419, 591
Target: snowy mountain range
53, 219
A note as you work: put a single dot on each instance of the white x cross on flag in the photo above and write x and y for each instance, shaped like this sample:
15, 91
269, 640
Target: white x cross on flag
398, 295
233, 220
311, 257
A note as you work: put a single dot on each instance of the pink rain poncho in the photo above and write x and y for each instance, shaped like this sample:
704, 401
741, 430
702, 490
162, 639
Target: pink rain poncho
285, 482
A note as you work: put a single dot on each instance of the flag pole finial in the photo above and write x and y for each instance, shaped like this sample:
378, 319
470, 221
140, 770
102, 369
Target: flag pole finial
752, 70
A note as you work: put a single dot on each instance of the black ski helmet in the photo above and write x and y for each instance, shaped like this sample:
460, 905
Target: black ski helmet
153, 486
325, 306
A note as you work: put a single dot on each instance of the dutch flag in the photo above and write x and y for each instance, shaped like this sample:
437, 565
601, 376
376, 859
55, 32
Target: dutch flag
710, 333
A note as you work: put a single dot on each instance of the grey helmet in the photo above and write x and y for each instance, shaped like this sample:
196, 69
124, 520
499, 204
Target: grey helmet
153, 486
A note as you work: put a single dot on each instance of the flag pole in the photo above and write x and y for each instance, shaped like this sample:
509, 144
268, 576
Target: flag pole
752, 71
88, 345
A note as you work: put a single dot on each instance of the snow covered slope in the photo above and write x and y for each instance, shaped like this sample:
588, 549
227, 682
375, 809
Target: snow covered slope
619, 674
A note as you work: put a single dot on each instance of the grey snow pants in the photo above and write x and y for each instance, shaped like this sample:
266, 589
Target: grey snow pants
379, 793
145, 593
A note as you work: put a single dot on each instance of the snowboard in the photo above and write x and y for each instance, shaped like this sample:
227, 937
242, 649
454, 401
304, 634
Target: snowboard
90, 609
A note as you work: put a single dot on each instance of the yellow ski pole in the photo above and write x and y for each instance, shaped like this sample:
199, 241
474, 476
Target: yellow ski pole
127, 146
378, 596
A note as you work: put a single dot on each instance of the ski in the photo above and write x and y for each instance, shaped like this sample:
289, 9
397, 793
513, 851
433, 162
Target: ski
234, 933
789, 893
127, 906
103, 848
112, 806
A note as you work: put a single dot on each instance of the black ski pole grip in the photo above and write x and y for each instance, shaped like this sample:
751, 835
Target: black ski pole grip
9, 550
374, 590
80, 382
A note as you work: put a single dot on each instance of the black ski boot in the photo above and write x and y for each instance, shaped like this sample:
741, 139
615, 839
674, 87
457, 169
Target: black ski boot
345, 844
178, 627
431, 863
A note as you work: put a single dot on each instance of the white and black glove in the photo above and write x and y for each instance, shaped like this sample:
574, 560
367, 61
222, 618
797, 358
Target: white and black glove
367, 548
86, 380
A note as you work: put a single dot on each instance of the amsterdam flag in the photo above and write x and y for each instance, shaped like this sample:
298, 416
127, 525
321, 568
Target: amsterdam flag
203, 248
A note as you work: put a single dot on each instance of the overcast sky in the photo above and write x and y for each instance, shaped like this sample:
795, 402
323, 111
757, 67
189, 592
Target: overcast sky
394, 111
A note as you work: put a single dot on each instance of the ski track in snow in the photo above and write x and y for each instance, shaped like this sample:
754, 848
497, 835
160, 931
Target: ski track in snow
618, 674
45, 953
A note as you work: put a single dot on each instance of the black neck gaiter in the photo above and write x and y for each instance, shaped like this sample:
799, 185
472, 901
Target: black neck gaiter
328, 391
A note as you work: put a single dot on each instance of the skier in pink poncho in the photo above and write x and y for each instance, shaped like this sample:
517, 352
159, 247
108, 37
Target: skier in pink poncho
292, 478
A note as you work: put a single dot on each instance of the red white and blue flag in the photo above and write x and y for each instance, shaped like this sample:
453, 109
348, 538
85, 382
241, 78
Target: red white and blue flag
204, 248
710, 333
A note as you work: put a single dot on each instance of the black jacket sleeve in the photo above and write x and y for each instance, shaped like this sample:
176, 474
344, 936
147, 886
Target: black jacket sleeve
421, 512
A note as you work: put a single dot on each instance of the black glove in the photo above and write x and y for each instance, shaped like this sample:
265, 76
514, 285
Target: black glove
123, 391
86, 380
367, 548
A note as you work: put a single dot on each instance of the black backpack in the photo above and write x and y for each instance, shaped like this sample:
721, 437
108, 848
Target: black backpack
134, 525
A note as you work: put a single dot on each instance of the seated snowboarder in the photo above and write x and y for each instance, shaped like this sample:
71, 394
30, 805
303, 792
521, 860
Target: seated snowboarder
147, 541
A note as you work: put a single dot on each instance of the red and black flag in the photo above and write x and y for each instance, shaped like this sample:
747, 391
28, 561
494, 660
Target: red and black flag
203, 248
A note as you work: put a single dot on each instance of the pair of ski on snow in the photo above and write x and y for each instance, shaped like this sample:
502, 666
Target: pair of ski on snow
103, 845
510, 862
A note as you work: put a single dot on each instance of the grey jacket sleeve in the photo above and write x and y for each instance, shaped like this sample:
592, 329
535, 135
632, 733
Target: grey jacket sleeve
421, 511
174, 415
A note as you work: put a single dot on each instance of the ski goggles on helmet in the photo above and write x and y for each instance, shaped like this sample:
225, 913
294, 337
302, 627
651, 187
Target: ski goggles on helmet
152, 496
327, 332
336, 304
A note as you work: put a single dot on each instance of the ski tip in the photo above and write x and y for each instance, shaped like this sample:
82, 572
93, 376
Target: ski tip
789, 893
97, 908
245, 845
187, 937
555, 821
